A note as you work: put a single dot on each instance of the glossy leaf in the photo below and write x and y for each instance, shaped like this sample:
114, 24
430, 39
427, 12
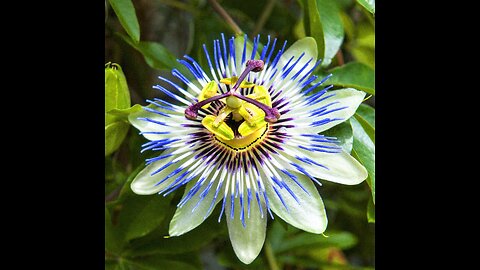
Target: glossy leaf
364, 151
313, 25
332, 29
368, 5
115, 133
344, 134
365, 115
355, 75
125, 12
368, 113
155, 54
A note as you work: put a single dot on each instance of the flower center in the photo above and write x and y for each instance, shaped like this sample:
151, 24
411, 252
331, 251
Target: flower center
242, 120
209, 94
238, 119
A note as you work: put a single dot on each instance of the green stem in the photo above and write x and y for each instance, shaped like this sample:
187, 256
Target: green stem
272, 262
219, 9
264, 16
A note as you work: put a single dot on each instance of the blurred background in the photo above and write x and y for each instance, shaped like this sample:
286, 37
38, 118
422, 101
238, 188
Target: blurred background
147, 43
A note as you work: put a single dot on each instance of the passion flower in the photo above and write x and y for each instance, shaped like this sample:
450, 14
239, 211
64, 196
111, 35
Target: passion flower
247, 134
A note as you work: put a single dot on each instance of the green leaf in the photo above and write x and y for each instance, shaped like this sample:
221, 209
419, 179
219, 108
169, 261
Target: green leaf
304, 242
117, 95
332, 29
368, 113
368, 5
276, 232
322, 21
137, 215
191, 241
115, 133
128, 19
155, 54
313, 25
355, 75
343, 132
141, 214
364, 151
371, 211
366, 117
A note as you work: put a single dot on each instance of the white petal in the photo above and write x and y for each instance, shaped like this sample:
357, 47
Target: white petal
145, 126
247, 242
346, 97
342, 168
185, 219
306, 45
145, 184
308, 215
